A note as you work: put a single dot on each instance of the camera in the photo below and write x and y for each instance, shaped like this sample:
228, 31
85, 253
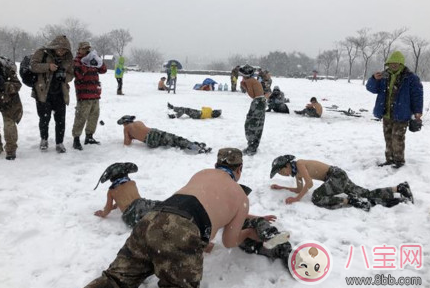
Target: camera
60, 74
385, 74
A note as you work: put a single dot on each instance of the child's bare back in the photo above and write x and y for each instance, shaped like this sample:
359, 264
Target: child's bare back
317, 170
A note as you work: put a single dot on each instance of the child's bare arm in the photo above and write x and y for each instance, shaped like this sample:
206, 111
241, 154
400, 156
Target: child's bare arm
292, 189
108, 207
127, 138
304, 189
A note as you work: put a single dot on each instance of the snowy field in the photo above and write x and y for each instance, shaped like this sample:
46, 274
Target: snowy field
50, 238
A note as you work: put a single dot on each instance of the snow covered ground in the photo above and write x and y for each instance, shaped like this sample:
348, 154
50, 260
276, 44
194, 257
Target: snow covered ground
50, 238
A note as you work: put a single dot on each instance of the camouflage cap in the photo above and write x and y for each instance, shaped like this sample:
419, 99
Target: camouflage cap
85, 44
229, 156
117, 170
126, 119
279, 163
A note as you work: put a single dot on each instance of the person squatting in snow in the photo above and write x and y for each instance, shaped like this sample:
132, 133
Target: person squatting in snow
211, 200
336, 182
155, 138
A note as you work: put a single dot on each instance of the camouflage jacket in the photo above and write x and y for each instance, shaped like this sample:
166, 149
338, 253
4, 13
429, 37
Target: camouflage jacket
41, 88
10, 103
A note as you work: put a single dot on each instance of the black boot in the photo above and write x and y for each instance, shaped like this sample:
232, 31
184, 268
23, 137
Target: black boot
405, 191
90, 140
77, 144
359, 203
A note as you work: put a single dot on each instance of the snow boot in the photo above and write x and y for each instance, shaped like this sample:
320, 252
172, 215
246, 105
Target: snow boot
170, 106
405, 191
90, 140
119, 92
359, 203
60, 148
171, 116
77, 144
43, 145
386, 163
10, 156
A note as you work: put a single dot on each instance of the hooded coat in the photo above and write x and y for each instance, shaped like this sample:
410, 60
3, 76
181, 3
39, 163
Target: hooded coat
408, 99
119, 67
10, 103
44, 77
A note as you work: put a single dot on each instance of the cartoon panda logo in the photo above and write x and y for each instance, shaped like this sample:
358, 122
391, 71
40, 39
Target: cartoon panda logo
310, 262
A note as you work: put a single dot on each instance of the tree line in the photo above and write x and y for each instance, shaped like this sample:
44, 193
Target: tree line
355, 57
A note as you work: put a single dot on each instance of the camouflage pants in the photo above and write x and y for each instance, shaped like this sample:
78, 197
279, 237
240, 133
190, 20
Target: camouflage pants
137, 210
337, 182
311, 112
263, 228
86, 111
254, 122
10, 135
158, 138
192, 113
394, 134
163, 244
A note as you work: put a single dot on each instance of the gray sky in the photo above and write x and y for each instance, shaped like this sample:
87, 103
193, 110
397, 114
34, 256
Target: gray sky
221, 28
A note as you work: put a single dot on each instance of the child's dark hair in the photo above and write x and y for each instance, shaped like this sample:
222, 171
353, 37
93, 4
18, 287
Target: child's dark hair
314, 99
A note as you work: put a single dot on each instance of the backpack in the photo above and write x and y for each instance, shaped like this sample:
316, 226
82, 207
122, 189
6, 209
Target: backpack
28, 77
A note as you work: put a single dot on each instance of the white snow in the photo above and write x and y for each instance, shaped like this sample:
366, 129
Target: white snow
50, 238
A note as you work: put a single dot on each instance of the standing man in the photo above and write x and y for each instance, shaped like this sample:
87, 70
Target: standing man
88, 66
169, 241
53, 65
254, 122
10, 106
234, 76
400, 95
119, 73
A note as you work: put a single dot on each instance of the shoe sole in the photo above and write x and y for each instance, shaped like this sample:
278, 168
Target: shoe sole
281, 238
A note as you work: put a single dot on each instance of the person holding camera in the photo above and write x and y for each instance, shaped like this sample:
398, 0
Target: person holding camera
53, 65
88, 66
400, 96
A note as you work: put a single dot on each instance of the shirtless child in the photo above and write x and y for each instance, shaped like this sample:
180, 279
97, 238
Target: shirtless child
336, 182
125, 194
313, 109
254, 122
155, 138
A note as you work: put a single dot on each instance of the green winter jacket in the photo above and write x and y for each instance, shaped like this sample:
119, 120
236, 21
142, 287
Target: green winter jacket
119, 67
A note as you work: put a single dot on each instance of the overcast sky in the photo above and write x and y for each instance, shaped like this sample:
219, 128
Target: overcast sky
220, 28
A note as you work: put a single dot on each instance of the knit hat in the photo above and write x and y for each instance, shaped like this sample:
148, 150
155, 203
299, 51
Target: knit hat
85, 44
396, 57
229, 156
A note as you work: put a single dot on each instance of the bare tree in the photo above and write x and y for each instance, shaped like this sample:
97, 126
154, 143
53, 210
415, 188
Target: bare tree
236, 59
120, 39
13, 39
351, 47
72, 28
368, 45
418, 46
326, 58
337, 56
388, 40
103, 44
148, 59
218, 66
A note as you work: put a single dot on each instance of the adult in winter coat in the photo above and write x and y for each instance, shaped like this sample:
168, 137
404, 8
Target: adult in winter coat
88, 66
400, 95
119, 73
277, 101
10, 106
53, 65
233, 77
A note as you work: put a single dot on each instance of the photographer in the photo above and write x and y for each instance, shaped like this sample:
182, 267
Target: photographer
54, 68
88, 66
400, 96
